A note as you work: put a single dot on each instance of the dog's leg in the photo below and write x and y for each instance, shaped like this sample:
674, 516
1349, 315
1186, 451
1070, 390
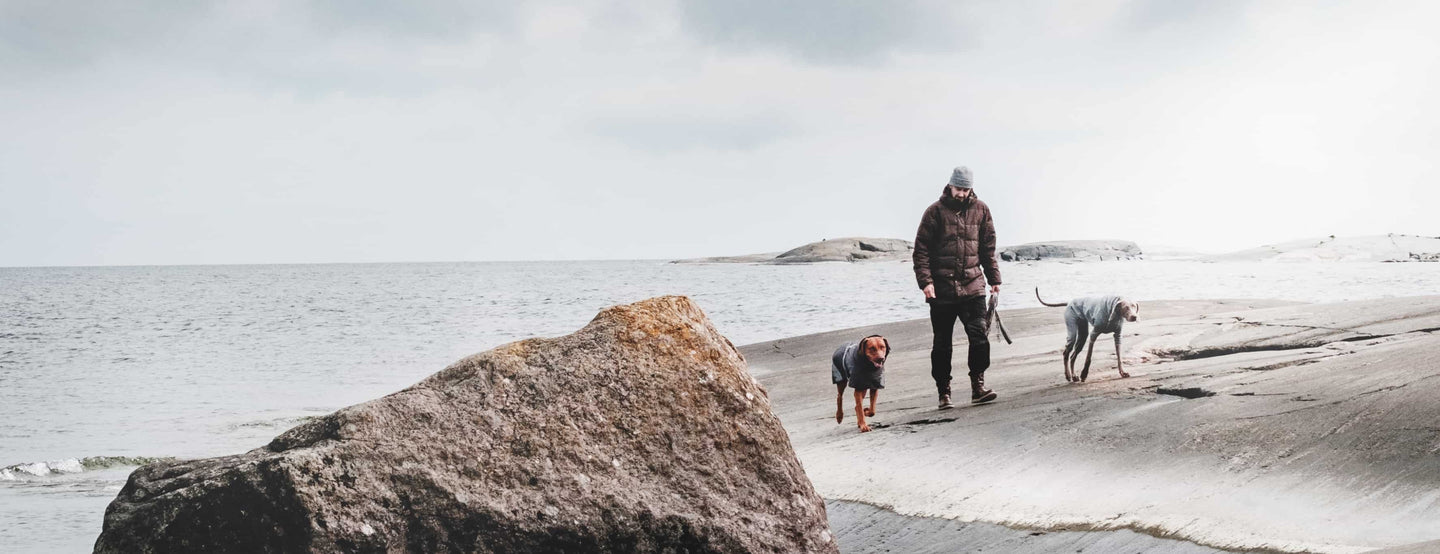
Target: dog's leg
1074, 359
874, 393
860, 410
1075, 340
1075, 330
1089, 351
1065, 360
840, 402
1119, 363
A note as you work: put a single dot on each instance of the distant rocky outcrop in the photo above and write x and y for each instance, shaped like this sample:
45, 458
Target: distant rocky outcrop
849, 249
1072, 250
1166, 252
642, 432
1372, 248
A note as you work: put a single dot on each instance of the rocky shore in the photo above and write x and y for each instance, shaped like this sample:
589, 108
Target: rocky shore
1246, 425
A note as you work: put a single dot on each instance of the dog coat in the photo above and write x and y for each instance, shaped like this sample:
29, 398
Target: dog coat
1092, 314
850, 364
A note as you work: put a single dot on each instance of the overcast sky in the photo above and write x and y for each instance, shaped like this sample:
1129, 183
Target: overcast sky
148, 132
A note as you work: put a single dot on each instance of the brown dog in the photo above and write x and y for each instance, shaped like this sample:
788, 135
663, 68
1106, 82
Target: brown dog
1092, 316
860, 365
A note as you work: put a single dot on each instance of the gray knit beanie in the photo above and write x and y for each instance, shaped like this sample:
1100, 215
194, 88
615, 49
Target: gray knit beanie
961, 178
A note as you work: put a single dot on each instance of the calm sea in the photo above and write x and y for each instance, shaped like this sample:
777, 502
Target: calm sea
102, 368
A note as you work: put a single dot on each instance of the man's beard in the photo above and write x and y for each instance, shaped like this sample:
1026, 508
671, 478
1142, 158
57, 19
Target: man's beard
953, 201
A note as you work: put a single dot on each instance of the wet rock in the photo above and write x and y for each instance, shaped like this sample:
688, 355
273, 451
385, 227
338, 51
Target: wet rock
641, 432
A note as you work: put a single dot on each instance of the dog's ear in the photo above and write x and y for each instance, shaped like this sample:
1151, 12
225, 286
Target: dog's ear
887, 346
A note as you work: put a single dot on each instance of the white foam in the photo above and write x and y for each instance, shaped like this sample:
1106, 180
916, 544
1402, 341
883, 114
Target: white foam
38, 469
68, 466
71, 465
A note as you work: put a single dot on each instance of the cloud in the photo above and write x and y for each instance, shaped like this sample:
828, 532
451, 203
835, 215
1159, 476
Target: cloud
310, 47
822, 31
427, 19
40, 36
442, 131
679, 132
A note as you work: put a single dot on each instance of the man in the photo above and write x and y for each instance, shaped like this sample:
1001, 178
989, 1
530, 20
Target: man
954, 257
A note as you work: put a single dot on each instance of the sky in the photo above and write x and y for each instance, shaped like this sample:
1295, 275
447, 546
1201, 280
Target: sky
149, 132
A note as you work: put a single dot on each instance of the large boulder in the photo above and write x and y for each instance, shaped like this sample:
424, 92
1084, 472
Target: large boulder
641, 432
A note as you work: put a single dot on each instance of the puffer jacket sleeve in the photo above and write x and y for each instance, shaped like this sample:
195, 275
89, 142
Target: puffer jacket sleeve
987, 249
924, 236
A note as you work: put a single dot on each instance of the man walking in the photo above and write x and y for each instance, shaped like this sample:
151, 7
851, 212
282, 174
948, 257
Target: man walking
954, 257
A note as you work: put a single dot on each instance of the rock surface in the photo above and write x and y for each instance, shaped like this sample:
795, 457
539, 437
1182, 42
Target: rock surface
641, 432
1072, 250
865, 528
850, 249
1373, 248
1246, 425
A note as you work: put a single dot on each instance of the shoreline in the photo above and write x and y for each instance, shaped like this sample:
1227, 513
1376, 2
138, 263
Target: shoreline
863, 527
1280, 459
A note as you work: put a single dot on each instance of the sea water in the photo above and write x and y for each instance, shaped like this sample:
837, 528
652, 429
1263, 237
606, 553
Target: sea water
105, 368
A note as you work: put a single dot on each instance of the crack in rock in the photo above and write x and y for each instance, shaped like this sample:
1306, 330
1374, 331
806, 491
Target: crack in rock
916, 422
1284, 364
775, 346
1181, 354
1185, 392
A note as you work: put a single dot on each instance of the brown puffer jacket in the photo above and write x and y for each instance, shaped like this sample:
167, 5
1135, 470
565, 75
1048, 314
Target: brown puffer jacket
954, 245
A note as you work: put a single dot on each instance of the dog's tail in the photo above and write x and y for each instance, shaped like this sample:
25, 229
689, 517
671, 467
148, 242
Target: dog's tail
1042, 300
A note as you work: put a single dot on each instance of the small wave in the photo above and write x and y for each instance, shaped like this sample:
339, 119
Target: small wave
272, 423
72, 465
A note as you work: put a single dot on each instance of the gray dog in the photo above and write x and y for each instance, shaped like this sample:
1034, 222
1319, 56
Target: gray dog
1092, 316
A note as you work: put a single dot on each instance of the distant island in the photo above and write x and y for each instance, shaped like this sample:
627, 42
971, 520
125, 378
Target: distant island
865, 249
847, 249
1079, 250
1371, 248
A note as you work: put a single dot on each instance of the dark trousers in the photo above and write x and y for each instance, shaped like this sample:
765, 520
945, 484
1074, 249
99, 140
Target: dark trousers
970, 311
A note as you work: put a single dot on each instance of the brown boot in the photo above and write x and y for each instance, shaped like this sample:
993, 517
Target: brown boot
978, 393
945, 396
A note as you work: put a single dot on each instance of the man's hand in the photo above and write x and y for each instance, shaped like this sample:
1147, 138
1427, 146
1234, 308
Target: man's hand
929, 291
994, 289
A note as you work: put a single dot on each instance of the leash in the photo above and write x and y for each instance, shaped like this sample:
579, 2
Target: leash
992, 313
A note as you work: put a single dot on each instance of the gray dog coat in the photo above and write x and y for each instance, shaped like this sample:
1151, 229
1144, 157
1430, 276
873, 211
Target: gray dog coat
1092, 314
848, 363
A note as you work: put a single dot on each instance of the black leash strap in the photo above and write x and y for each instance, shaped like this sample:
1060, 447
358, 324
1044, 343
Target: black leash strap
992, 313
